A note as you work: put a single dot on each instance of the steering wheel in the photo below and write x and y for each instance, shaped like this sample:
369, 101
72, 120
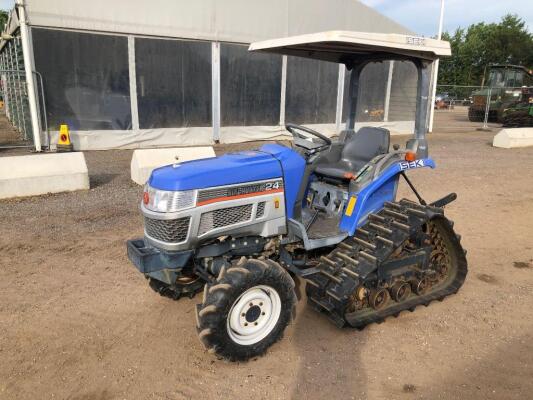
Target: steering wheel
293, 129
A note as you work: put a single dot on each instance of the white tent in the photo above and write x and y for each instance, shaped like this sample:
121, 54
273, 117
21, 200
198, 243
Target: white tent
130, 73
241, 21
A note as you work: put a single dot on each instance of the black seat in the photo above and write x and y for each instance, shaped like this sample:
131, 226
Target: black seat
359, 148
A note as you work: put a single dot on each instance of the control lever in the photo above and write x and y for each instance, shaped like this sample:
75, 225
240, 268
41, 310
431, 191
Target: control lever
313, 218
445, 200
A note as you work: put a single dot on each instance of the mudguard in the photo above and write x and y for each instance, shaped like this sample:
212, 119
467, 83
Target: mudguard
372, 197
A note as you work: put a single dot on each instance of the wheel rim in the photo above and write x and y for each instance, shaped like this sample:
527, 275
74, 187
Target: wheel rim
254, 315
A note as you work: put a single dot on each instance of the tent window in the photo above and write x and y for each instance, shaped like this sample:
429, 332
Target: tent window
403, 92
86, 79
311, 94
250, 87
173, 83
371, 96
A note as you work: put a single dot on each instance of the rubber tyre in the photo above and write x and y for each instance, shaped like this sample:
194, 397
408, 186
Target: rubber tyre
475, 115
220, 296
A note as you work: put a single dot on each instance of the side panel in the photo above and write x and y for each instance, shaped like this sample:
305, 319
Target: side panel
372, 197
293, 166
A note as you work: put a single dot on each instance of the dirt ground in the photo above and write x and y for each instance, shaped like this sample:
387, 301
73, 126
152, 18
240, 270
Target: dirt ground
77, 321
9, 136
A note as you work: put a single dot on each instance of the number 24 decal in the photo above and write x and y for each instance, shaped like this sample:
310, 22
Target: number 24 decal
272, 185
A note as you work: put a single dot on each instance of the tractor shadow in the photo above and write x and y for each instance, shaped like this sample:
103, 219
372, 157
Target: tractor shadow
97, 180
329, 358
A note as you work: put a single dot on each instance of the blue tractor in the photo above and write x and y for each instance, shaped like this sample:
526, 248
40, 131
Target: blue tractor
248, 227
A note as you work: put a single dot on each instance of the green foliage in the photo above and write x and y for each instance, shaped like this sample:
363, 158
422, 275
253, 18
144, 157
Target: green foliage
474, 48
3, 19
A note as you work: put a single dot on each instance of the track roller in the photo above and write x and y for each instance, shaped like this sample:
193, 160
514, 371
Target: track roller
420, 286
379, 298
400, 291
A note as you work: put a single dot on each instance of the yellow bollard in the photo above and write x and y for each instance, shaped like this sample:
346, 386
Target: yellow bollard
64, 143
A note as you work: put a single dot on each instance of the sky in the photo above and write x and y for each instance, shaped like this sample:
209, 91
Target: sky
7, 4
422, 16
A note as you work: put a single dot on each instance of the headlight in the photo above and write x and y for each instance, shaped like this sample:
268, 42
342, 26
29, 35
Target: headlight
168, 201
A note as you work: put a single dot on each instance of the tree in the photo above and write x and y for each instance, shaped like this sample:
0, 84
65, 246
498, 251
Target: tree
473, 49
3, 19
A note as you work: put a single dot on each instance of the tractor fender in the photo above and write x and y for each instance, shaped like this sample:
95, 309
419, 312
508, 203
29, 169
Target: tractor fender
374, 195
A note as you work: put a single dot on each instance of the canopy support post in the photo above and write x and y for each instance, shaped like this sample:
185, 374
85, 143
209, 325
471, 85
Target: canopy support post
353, 94
419, 143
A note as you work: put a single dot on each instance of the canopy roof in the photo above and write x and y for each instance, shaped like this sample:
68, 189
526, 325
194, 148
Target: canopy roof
347, 47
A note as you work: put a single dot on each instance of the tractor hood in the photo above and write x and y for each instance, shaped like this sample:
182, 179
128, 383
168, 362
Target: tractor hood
231, 168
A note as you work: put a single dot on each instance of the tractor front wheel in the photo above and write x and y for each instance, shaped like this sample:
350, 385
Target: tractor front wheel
246, 310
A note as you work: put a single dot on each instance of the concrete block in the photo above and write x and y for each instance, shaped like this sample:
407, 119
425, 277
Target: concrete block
42, 173
143, 162
509, 138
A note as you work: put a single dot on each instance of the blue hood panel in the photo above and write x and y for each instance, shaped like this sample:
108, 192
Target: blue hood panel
293, 172
228, 169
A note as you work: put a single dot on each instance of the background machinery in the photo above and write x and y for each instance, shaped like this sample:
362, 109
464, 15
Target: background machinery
504, 86
250, 226
520, 113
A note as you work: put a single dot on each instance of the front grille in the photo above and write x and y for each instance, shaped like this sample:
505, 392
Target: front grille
210, 194
260, 210
167, 230
224, 217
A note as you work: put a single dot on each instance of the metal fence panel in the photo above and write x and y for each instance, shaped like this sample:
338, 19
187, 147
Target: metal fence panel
14, 88
465, 108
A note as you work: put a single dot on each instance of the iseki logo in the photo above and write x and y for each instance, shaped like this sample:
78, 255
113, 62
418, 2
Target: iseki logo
411, 164
416, 41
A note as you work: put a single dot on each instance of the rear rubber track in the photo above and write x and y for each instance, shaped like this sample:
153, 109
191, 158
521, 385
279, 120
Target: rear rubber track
355, 263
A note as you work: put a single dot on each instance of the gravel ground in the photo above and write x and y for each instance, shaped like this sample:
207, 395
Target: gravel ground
77, 321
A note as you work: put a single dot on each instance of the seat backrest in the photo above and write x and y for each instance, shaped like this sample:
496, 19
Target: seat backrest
345, 133
361, 147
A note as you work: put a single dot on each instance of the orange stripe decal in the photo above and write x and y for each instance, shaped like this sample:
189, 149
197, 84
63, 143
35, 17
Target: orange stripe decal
238, 196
